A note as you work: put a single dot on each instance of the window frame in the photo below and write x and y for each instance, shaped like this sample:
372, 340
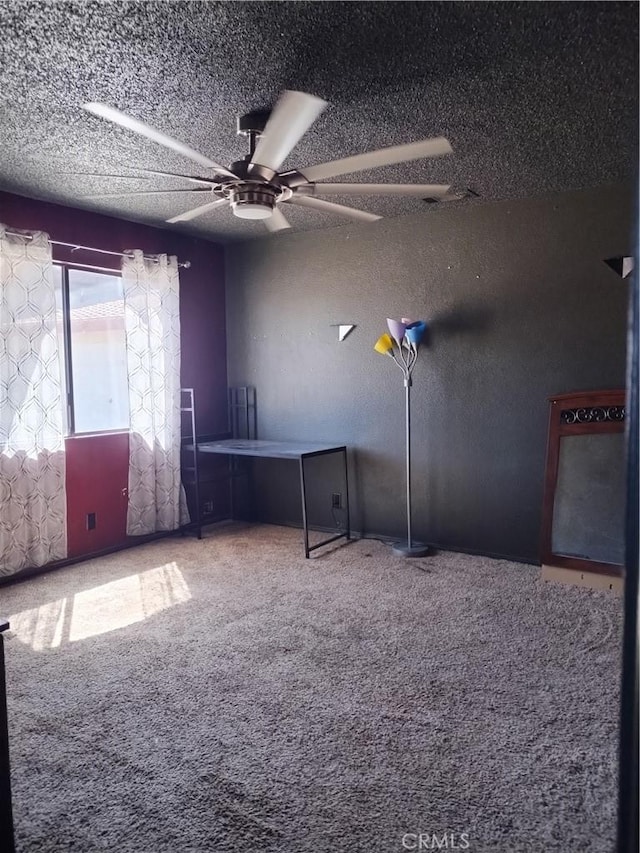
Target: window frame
68, 394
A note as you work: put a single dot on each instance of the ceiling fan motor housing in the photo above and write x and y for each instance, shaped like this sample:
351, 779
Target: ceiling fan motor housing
253, 201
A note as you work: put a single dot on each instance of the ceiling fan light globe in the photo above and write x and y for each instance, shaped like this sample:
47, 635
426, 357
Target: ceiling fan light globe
252, 210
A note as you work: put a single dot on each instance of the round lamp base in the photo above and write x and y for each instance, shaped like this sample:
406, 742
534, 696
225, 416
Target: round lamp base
402, 549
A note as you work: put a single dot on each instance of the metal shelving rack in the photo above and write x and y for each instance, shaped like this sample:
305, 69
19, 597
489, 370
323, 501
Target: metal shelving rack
241, 423
189, 447
242, 412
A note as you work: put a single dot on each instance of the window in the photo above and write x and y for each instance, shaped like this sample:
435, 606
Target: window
93, 355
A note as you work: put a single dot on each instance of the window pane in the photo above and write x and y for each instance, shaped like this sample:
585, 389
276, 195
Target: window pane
57, 284
98, 355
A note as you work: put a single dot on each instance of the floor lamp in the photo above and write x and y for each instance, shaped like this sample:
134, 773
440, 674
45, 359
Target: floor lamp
402, 346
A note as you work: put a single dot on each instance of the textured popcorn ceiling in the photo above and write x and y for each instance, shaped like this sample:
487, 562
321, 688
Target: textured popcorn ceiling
534, 97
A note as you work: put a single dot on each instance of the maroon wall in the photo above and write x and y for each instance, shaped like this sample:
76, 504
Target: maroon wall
97, 465
97, 476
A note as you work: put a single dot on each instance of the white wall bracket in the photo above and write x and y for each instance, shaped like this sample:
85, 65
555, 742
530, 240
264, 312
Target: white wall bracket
343, 329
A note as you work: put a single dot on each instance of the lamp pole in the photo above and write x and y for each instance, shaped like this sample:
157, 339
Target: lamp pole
407, 386
411, 549
402, 346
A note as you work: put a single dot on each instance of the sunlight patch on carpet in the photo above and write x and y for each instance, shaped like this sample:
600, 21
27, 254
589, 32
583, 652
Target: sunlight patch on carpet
101, 609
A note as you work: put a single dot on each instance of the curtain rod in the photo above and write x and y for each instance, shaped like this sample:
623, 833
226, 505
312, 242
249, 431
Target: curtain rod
75, 247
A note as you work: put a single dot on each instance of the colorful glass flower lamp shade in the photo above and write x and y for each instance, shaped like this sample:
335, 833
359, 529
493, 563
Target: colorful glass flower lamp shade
402, 345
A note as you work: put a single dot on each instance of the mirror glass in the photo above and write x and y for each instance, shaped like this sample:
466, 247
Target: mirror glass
589, 505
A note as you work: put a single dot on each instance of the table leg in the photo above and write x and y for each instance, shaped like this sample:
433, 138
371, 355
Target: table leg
305, 524
346, 492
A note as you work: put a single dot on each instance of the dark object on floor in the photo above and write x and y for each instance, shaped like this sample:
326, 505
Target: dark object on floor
628, 778
6, 816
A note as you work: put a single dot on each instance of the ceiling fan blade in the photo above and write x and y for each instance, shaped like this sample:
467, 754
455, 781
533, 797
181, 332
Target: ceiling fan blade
148, 192
420, 190
104, 175
207, 182
437, 147
330, 207
292, 116
453, 196
277, 221
115, 116
198, 211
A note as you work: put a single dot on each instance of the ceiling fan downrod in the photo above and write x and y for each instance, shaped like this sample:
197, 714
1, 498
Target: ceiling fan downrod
255, 199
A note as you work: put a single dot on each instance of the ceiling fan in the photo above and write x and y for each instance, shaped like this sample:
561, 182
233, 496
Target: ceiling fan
253, 186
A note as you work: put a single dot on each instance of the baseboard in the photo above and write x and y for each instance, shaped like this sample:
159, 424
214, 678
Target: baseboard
390, 540
31, 572
576, 577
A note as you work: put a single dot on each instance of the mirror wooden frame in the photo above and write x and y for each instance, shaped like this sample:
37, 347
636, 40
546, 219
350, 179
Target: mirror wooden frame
578, 413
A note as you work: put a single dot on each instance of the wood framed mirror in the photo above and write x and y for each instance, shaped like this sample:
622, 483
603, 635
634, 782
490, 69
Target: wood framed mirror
583, 513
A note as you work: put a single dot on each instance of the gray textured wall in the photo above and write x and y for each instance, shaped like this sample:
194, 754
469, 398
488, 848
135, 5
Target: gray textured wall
520, 306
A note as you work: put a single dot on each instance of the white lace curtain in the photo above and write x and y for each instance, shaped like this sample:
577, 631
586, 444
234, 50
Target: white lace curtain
33, 505
152, 324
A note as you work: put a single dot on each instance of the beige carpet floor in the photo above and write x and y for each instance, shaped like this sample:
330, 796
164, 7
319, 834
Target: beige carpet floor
229, 695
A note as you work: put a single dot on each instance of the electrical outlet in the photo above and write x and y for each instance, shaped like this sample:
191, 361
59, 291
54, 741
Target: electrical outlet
207, 507
336, 500
91, 521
